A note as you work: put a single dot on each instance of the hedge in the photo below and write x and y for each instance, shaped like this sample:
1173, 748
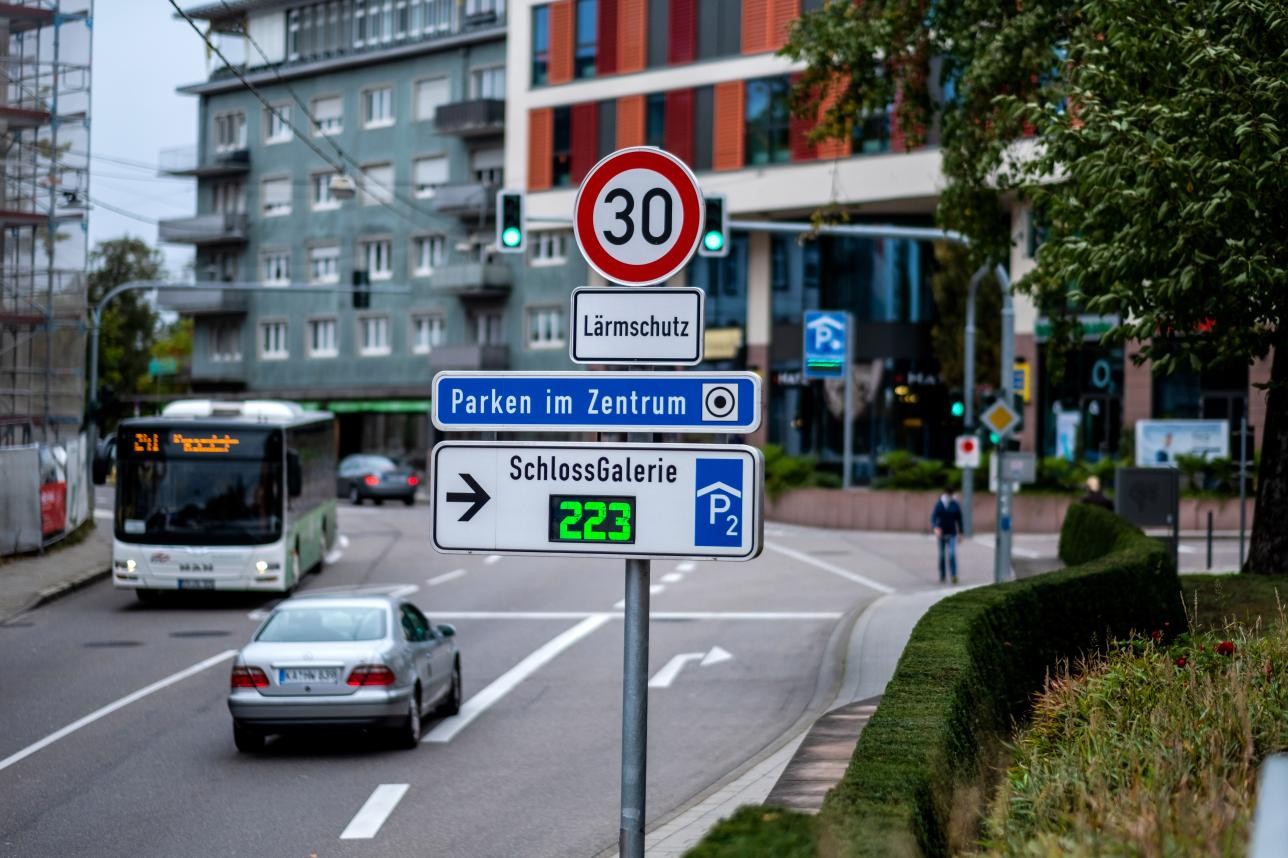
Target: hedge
967, 675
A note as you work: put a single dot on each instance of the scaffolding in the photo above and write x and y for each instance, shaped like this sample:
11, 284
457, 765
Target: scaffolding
45, 52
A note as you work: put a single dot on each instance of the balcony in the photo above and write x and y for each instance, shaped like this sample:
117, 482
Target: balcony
477, 118
221, 372
198, 301
473, 201
214, 228
184, 161
469, 357
473, 279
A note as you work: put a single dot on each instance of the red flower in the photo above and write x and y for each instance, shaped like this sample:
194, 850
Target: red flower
1180, 662
1156, 635
1225, 648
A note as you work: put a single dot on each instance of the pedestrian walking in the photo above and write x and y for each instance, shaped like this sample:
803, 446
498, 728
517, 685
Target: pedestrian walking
946, 519
1095, 496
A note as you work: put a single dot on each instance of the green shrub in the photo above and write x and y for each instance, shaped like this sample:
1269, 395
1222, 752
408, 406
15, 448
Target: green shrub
784, 471
902, 470
759, 832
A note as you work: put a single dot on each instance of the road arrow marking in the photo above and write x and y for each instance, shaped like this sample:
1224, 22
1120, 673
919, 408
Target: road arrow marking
664, 677
478, 497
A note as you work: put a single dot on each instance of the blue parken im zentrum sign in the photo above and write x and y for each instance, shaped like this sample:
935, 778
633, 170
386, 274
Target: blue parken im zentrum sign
727, 402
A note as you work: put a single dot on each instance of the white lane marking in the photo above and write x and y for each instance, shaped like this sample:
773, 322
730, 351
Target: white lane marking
672, 577
445, 577
989, 541
503, 685
828, 567
103, 513
656, 615
257, 614
686, 566
491, 558
664, 677
337, 551
374, 813
619, 604
114, 706
405, 590
1187, 549
656, 588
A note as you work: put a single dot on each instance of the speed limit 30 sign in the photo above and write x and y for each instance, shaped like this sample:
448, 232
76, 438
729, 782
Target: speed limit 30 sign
638, 216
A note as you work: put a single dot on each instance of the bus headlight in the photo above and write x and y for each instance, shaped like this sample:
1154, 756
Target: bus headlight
261, 566
129, 565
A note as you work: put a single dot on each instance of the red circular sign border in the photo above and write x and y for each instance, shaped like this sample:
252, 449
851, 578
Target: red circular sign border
637, 158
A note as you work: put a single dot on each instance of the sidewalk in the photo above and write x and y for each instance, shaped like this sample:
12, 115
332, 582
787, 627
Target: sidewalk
29, 580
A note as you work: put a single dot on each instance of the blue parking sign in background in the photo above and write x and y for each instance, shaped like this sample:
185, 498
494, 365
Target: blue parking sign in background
718, 517
826, 346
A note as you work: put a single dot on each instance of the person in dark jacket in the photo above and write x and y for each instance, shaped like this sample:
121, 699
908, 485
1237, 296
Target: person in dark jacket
946, 519
1095, 497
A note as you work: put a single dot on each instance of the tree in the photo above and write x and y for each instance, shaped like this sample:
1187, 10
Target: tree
1147, 135
128, 326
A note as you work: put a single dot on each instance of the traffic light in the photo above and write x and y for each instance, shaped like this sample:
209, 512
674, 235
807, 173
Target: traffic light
715, 229
957, 405
510, 234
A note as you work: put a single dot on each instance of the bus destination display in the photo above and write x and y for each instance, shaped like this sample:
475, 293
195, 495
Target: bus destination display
592, 518
201, 442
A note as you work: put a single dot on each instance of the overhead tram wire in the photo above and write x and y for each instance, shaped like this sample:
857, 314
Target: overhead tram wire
338, 167
313, 120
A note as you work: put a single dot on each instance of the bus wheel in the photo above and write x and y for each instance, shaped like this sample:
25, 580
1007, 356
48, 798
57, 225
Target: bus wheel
295, 570
146, 595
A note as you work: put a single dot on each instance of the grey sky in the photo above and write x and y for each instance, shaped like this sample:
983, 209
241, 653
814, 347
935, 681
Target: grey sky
141, 53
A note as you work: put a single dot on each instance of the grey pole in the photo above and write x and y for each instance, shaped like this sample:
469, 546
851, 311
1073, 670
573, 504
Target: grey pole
968, 399
630, 843
1002, 541
847, 433
1243, 483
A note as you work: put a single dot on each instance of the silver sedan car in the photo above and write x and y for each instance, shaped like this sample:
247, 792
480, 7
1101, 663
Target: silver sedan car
354, 660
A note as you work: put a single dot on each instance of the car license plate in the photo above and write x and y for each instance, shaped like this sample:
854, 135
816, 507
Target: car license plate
196, 584
288, 675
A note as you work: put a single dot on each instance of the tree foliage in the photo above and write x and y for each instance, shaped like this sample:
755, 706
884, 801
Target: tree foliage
128, 327
949, 285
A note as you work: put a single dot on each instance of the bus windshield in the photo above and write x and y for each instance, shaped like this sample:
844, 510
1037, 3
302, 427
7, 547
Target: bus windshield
186, 502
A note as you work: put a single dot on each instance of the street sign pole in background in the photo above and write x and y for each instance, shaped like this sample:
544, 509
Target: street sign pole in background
829, 353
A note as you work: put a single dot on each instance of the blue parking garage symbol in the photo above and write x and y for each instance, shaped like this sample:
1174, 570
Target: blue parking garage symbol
718, 518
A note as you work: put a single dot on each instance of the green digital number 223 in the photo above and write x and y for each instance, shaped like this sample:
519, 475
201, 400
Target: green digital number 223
596, 512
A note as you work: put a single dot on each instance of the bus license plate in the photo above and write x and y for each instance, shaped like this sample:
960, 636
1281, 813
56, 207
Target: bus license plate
308, 674
196, 584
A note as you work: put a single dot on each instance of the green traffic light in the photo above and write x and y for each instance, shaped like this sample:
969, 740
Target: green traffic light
959, 408
994, 437
510, 236
713, 240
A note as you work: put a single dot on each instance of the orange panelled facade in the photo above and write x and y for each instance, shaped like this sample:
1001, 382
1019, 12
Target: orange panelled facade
630, 121
561, 41
756, 26
832, 148
540, 148
632, 35
728, 144
781, 15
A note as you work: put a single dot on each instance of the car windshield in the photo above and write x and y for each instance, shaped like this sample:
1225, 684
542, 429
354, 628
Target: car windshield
329, 624
199, 502
374, 464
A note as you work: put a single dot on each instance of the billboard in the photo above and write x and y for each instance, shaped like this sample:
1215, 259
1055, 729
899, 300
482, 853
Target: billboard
1159, 442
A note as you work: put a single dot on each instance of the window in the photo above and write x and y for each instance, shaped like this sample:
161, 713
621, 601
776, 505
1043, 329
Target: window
427, 332
323, 199
548, 248
272, 341
378, 107
229, 197
276, 267
230, 132
488, 82
373, 335
719, 29
540, 45
328, 113
324, 263
377, 257
323, 342
488, 166
476, 8
545, 327
275, 197
430, 95
225, 342
436, 16
223, 265
489, 328
428, 252
655, 120
377, 184
768, 121
277, 123
587, 39
872, 132
561, 150
427, 174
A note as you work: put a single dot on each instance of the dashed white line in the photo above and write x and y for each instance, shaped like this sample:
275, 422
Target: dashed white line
491, 558
337, 551
656, 588
672, 577
102, 513
374, 813
114, 706
405, 590
686, 566
481, 702
828, 567
445, 577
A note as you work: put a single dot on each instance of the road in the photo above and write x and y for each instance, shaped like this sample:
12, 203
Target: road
531, 767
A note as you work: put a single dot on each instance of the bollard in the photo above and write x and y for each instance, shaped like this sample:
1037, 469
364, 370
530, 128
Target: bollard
1209, 566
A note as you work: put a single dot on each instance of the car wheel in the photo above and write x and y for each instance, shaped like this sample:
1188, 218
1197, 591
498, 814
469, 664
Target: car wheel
378, 501
354, 497
146, 595
407, 736
409, 500
247, 740
451, 704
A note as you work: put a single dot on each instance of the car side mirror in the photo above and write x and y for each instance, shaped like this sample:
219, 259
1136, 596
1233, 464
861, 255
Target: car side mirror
101, 467
447, 630
294, 474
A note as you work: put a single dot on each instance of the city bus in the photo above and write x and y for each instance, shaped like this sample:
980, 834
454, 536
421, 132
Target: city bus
217, 495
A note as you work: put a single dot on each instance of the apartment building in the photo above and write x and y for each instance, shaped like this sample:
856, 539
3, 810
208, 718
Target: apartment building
405, 99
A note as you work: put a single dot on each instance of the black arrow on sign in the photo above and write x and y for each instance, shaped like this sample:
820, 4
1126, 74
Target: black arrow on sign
478, 497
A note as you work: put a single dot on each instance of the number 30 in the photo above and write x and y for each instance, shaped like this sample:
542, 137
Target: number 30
628, 226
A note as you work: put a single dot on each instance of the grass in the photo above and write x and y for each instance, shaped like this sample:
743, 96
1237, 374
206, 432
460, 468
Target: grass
1153, 749
759, 832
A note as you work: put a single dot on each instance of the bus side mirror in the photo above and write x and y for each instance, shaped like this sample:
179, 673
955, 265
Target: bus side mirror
294, 474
